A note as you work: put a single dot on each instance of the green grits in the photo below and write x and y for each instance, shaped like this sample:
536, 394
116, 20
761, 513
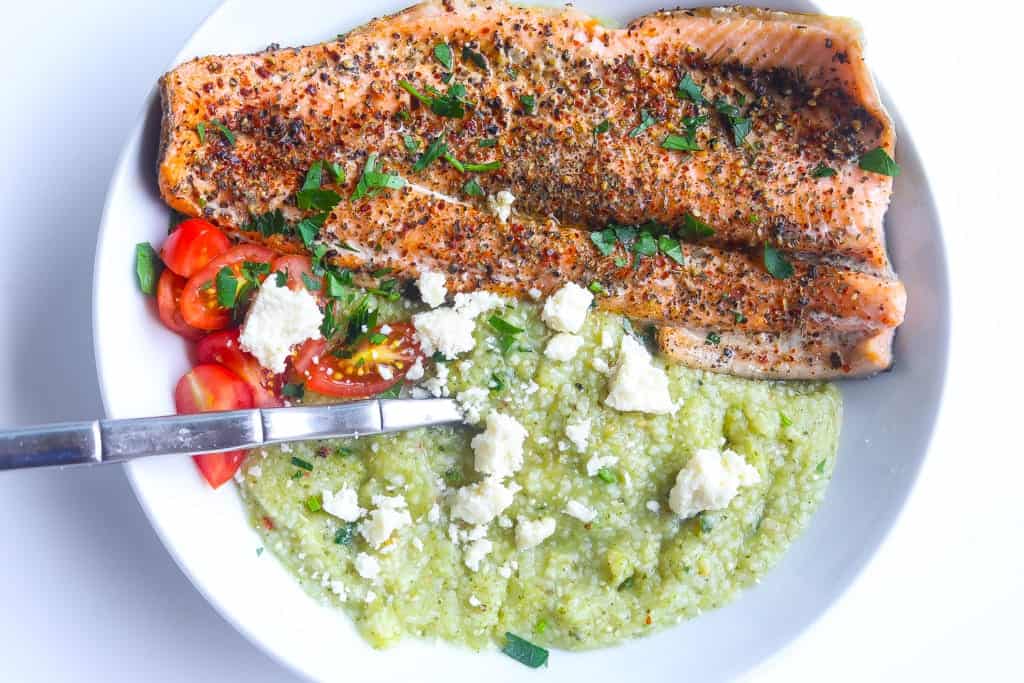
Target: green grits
632, 570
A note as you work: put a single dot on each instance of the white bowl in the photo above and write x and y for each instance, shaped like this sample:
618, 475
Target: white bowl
886, 430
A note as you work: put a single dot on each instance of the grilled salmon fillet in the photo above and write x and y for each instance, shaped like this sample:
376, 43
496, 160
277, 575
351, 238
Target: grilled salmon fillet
745, 123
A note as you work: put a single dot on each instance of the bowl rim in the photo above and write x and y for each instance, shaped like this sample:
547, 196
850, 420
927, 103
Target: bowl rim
906, 149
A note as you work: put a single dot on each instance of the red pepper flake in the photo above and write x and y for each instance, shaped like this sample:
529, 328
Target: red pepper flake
268, 523
648, 619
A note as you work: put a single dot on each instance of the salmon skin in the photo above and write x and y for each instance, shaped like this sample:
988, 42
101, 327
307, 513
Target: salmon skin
731, 129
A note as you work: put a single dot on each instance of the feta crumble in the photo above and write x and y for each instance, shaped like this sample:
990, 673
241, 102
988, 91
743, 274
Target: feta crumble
595, 464
481, 502
476, 552
531, 533
472, 403
278, 319
472, 304
563, 346
474, 601
566, 309
367, 566
444, 330
578, 433
415, 370
709, 481
344, 504
499, 448
389, 516
638, 385
576, 509
432, 288
500, 204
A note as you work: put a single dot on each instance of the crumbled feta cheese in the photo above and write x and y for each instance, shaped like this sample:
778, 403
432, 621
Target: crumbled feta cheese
600, 365
504, 522
653, 506
578, 433
444, 330
367, 566
473, 304
415, 371
563, 346
474, 601
595, 464
389, 516
438, 384
505, 571
481, 502
344, 504
385, 372
432, 288
535, 293
576, 509
566, 309
531, 533
417, 543
709, 481
501, 204
498, 449
385, 329
637, 383
338, 588
255, 471
434, 514
472, 403
370, 597
278, 319
476, 552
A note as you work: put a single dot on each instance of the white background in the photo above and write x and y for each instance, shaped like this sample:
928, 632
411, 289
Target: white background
88, 592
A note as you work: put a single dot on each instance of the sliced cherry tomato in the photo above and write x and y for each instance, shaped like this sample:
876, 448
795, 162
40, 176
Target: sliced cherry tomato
295, 267
223, 348
168, 293
213, 387
192, 245
199, 305
359, 374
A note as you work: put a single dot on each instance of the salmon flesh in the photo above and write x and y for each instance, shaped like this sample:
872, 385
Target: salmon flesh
700, 169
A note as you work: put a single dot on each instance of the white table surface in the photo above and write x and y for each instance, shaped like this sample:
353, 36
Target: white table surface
88, 592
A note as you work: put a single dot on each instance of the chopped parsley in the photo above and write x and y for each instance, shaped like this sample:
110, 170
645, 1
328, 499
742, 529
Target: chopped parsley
452, 104
776, 264
293, 390
472, 188
434, 150
281, 279
229, 137
597, 288
688, 89
311, 283
671, 248
346, 533
412, 145
822, 171
694, 228
820, 469
785, 420
481, 168
604, 240
337, 171
302, 464
529, 103
471, 55
680, 143
602, 127
524, 652
443, 54
267, 224
606, 475
879, 161
311, 196
487, 142
227, 287
201, 132
627, 583
374, 180
713, 339
147, 267
646, 121
497, 382
740, 125
309, 228
507, 333
453, 476
314, 503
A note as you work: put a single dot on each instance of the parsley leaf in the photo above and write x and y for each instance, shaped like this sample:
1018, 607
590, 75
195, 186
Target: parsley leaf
645, 244
481, 168
529, 103
201, 132
435, 149
337, 171
472, 188
695, 229
671, 248
229, 137
688, 89
680, 143
740, 126
822, 171
227, 287
320, 200
443, 54
646, 121
524, 652
451, 104
309, 228
346, 533
604, 240
374, 180
147, 267
503, 326
776, 264
471, 55
411, 143
267, 224
487, 142
602, 127
314, 176
713, 338
879, 161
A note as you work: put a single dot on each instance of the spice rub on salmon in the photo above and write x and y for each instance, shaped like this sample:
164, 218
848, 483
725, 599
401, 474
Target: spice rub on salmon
756, 138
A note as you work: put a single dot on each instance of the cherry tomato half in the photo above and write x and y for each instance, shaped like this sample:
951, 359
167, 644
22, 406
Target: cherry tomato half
224, 349
168, 293
359, 374
213, 387
192, 245
295, 267
199, 305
